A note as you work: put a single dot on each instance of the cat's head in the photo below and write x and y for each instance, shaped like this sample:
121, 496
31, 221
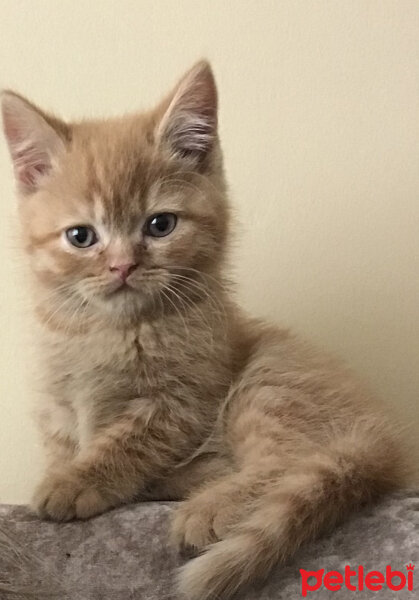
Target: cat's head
119, 213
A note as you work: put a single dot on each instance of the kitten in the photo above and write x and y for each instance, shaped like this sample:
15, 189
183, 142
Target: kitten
158, 386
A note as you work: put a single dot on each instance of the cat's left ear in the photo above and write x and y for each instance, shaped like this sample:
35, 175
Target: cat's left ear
35, 140
189, 116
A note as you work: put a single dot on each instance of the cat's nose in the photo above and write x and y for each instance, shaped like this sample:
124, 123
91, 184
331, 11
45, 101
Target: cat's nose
123, 271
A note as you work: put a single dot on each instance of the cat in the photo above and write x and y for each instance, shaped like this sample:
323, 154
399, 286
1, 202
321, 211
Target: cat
157, 385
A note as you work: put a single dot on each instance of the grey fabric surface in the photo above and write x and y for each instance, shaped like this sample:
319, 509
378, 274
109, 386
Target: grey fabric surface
124, 555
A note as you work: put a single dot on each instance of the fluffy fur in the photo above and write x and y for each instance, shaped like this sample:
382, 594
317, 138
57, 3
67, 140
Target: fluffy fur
163, 388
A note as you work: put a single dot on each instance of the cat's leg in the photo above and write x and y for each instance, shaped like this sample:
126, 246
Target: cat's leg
212, 510
258, 458
186, 478
243, 525
116, 466
59, 451
58, 427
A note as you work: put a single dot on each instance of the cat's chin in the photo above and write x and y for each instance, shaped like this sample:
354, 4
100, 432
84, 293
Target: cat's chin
124, 305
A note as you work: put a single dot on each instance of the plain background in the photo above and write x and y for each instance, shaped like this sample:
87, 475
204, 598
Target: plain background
320, 128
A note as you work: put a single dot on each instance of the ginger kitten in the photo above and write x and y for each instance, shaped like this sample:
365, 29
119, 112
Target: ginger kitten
157, 385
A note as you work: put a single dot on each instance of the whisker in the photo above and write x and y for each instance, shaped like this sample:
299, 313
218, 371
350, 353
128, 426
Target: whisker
220, 282
83, 304
217, 305
190, 306
176, 310
199, 286
191, 287
60, 307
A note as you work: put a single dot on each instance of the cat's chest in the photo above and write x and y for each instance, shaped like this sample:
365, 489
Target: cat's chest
109, 351
100, 376
107, 354
112, 363
95, 378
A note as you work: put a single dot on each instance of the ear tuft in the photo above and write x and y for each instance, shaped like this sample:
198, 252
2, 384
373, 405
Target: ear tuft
32, 139
189, 123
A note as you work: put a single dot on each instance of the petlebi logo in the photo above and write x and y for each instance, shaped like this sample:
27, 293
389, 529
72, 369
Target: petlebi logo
357, 579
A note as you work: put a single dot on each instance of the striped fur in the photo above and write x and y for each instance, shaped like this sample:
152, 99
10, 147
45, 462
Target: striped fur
168, 390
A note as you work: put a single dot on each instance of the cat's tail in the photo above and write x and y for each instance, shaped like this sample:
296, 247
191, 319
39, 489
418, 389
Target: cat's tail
307, 501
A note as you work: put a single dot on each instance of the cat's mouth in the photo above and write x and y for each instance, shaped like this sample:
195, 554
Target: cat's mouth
121, 288
131, 287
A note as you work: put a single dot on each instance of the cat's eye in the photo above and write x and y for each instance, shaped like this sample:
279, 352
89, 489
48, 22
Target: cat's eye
161, 225
81, 236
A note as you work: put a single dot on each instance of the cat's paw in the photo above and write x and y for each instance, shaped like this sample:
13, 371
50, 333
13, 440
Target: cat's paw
65, 496
201, 521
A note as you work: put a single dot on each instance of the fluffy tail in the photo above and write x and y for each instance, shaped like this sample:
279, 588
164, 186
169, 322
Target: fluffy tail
306, 502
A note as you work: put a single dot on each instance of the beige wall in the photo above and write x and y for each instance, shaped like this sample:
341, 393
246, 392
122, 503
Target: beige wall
319, 117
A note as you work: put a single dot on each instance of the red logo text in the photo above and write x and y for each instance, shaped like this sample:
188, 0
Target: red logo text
357, 579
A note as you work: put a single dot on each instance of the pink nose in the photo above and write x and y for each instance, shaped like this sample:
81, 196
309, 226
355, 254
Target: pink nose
123, 271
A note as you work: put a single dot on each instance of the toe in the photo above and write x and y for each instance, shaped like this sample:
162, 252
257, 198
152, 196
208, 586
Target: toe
91, 502
192, 529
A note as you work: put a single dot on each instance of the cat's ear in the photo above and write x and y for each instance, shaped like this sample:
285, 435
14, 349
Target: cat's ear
34, 138
189, 115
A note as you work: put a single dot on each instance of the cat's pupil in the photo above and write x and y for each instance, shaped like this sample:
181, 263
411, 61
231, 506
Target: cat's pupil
81, 234
161, 225
161, 222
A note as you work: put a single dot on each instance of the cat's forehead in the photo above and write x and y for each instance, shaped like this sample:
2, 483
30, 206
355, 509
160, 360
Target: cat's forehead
116, 167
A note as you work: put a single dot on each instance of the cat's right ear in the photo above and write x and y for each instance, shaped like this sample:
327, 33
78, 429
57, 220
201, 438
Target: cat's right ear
35, 140
188, 125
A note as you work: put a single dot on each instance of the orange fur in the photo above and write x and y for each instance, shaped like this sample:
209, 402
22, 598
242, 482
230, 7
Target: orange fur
166, 389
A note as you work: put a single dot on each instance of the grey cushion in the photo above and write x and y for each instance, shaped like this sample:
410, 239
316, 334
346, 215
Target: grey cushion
124, 554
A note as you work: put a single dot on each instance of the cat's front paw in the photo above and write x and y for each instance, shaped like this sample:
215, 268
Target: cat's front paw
201, 521
66, 496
